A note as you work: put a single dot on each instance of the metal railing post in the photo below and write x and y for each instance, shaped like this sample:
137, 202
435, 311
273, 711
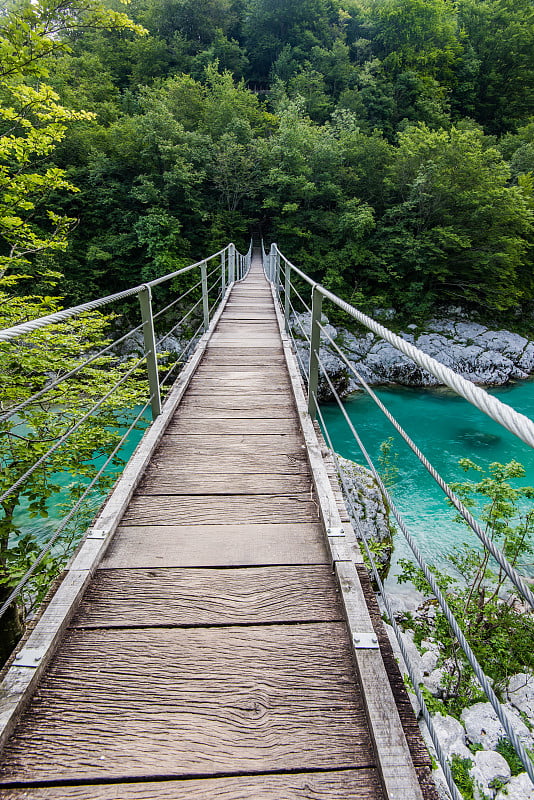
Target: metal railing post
145, 301
205, 299
315, 344
223, 272
272, 263
287, 295
231, 264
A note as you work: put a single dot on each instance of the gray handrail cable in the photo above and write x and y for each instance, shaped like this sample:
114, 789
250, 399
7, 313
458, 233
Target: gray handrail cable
482, 677
509, 570
497, 554
404, 652
518, 424
48, 546
501, 559
7, 334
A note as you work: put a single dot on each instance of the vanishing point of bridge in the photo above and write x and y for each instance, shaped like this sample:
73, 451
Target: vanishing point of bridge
227, 643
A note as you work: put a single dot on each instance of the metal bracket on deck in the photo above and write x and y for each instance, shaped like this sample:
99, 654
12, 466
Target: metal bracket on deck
365, 641
335, 532
29, 657
96, 533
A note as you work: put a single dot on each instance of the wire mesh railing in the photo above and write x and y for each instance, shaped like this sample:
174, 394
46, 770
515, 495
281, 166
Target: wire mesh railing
309, 334
77, 387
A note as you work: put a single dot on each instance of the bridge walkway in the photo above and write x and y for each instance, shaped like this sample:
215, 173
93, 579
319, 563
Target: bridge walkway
209, 657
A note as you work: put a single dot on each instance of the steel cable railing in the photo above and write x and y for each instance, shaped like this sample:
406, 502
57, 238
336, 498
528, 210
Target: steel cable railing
510, 571
57, 533
518, 424
451, 619
514, 422
230, 266
69, 433
391, 616
501, 559
58, 381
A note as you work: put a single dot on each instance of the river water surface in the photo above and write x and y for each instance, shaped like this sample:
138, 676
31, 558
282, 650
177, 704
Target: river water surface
446, 428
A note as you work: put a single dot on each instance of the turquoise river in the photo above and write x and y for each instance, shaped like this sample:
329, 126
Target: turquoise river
445, 428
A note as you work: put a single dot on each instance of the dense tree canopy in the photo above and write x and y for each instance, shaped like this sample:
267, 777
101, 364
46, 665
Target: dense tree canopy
386, 144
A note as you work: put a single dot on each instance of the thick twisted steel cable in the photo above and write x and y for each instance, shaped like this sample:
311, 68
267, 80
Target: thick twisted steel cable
464, 644
7, 334
47, 548
518, 424
14, 332
404, 652
497, 554
63, 378
69, 433
299, 272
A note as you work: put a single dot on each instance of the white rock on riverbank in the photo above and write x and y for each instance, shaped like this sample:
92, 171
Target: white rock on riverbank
481, 355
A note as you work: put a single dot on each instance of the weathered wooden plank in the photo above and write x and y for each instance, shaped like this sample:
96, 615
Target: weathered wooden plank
199, 408
259, 342
239, 358
224, 509
265, 402
269, 444
237, 461
184, 424
143, 702
194, 597
243, 370
233, 372
184, 482
253, 314
253, 384
273, 351
216, 545
249, 327
362, 784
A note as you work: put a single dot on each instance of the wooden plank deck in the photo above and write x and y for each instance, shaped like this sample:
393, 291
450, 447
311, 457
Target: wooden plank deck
210, 657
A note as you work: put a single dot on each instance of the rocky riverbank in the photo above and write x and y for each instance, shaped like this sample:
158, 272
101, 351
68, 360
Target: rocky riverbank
484, 356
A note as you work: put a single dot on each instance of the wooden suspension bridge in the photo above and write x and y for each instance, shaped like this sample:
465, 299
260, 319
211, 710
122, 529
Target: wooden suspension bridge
216, 635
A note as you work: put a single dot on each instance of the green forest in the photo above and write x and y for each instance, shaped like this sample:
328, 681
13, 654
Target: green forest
386, 145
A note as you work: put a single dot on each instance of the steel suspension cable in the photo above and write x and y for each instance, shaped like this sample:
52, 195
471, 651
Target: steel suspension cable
180, 322
58, 381
464, 644
69, 433
299, 323
497, 554
48, 547
518, 424
404, 652
177, 300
